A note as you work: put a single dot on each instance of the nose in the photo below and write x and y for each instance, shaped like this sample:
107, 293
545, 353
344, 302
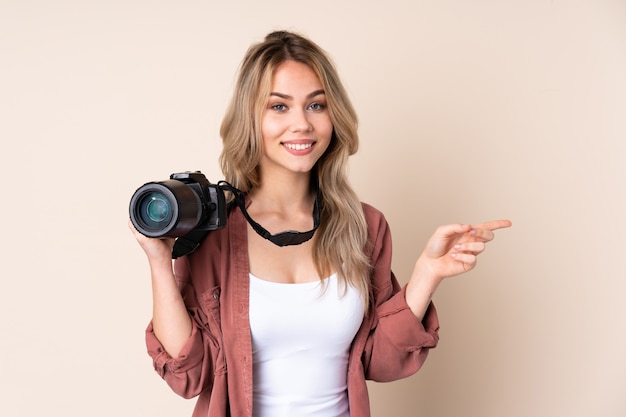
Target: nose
300, 121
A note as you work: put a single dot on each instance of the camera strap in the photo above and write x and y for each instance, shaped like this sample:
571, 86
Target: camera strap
188, 243
286, 238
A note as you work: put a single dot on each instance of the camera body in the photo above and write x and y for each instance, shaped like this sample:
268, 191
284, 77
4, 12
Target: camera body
172, 208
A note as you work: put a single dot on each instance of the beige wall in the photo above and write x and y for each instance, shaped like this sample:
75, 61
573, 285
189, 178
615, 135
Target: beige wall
470, 110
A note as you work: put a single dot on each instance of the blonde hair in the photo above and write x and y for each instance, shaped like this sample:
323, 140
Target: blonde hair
342, 235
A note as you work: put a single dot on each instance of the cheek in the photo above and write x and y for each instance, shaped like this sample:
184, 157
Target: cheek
269, 128
325, 127
326, 136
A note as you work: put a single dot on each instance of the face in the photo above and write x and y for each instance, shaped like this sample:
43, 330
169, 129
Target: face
296, 125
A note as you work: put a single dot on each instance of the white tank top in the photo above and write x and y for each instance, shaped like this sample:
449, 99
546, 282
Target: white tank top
301, 339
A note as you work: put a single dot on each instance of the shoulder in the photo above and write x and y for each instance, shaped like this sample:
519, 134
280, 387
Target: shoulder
379, 233
379, 251
218, 241
372, 213
375, 219
216, 247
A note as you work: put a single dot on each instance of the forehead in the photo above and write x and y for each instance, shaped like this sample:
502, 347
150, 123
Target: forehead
292, 75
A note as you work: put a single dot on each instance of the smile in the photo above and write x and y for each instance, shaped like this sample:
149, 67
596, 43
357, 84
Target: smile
298, 146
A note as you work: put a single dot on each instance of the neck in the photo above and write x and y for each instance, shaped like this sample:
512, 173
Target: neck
286, 193
283, 205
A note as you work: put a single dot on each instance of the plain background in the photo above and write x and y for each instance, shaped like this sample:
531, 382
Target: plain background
470, 110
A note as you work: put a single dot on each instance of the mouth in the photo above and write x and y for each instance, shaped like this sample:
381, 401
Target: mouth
298, 146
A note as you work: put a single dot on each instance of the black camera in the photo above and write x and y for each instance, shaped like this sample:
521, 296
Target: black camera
172, 208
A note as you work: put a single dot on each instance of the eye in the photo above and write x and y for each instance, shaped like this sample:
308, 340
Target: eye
317, 106
278, 107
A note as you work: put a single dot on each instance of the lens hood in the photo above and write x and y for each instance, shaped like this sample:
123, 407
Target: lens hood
167, 208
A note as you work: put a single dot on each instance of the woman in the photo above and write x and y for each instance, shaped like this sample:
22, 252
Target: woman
260, 322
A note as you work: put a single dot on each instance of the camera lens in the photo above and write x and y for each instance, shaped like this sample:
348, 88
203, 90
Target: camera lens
155, 210
165, 209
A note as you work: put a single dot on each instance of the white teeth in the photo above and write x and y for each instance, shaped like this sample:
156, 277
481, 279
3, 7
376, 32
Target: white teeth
298, 146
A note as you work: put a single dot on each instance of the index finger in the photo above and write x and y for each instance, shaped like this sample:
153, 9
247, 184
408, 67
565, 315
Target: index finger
493, 225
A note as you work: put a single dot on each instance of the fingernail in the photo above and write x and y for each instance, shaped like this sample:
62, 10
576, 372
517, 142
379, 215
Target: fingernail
472, 232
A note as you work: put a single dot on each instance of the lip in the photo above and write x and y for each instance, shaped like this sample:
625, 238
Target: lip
299, 141
299, 152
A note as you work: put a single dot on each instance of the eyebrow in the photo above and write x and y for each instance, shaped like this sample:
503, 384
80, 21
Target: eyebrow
288, 97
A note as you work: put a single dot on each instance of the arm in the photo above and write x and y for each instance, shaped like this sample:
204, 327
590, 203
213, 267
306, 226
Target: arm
405, 324
451, 250
397, 342
171, 322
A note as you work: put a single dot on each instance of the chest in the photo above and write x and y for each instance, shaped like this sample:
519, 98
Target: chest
283, 264
316, 316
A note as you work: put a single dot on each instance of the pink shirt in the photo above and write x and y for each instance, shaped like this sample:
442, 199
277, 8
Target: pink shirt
216, 363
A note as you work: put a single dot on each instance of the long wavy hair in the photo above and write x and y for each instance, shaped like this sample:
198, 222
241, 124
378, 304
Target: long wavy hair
342, 235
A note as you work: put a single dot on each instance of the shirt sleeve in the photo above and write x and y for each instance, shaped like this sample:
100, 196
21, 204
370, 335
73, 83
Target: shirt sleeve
192, 371
398, 343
